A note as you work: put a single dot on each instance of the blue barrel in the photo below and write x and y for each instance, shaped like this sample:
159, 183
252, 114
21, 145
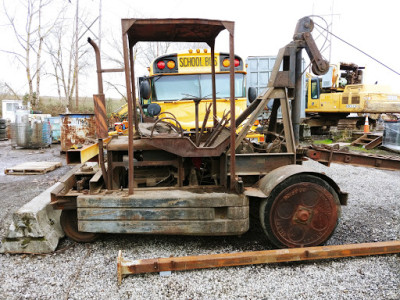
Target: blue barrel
55, 124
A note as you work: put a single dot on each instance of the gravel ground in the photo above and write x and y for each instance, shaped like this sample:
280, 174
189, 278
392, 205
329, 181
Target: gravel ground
88, 271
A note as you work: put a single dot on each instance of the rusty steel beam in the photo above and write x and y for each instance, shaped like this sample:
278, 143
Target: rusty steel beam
130, 115
125, 267
233, 178
328, 156
101, 116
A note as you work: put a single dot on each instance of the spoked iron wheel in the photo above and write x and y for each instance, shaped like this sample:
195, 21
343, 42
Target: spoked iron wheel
69, 223
301, 211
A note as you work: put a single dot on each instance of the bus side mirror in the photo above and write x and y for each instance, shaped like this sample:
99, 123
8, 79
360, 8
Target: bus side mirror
145, 90
153, 109
252, 94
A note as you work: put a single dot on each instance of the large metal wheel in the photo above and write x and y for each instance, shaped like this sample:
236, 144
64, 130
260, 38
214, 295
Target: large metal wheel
301, 211
69, 223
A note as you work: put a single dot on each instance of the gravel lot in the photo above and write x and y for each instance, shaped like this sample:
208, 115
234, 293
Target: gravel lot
88, 271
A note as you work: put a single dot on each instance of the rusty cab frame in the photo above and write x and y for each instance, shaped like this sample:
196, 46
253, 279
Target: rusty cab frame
154, 183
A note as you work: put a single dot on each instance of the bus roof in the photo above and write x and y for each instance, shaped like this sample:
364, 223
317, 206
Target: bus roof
174, 30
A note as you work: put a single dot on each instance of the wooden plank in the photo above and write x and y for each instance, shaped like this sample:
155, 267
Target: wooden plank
125, 267
183, 227
32, 168
141, 214
374, 143
162, 198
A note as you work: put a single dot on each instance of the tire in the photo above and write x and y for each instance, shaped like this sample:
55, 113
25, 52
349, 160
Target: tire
302, 211
3, 126
3, 121
3, 131
69, 223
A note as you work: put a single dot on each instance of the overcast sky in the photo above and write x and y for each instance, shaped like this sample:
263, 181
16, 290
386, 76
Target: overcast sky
261, 28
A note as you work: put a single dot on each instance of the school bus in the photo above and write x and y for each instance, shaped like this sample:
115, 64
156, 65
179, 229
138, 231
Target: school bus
177, 80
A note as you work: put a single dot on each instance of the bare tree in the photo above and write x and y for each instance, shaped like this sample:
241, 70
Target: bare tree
61, 48
30, 37
62, 59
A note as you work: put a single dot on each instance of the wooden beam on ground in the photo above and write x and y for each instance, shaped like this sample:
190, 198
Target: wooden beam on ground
125, 267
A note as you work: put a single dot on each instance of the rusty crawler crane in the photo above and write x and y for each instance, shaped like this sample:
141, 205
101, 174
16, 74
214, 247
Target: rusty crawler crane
162, 180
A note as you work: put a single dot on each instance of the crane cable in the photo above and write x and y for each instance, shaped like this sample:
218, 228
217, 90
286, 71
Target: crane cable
363, 52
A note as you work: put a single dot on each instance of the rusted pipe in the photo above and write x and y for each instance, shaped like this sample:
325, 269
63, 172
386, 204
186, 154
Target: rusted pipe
98, 65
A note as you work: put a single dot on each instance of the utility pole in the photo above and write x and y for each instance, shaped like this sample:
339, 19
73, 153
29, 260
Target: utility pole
76, 55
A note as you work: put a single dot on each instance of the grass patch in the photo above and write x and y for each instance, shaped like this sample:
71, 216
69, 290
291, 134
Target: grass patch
322, 142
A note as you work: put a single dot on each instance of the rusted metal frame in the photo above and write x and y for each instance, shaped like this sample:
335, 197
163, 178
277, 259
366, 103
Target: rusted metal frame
148, 163
110, 170
130, 116
112, 70
132, 64
58, 196
261, 163
217, 132
233, 178
319, 65
184, 147
275, 69
215, 129
101, 116
296, 103
254, 115
325, 156
287, 125
213, 84
247, 112
125, 267
203, 126
272, 126
102, 162
98, 65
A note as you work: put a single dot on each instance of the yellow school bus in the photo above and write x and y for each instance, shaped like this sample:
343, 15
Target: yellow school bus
177, 80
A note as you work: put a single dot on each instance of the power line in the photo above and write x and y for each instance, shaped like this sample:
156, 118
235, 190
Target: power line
363, 52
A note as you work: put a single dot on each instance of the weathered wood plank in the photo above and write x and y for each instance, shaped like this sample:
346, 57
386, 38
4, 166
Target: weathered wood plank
215, 227
33, 168
141, 214
167, 198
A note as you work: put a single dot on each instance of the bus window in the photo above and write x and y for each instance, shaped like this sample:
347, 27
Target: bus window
176, 87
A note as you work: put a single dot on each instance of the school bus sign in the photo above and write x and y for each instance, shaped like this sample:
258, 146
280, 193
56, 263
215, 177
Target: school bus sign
201, 62
194, 62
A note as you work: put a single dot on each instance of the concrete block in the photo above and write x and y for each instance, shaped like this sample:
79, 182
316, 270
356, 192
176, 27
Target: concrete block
35, 227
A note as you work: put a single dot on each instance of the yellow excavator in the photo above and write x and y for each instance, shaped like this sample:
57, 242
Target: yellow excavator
340, 98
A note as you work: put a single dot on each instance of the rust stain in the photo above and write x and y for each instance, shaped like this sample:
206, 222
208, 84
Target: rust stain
77, 129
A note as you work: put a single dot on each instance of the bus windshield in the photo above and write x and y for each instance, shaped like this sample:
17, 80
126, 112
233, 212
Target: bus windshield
177, 87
